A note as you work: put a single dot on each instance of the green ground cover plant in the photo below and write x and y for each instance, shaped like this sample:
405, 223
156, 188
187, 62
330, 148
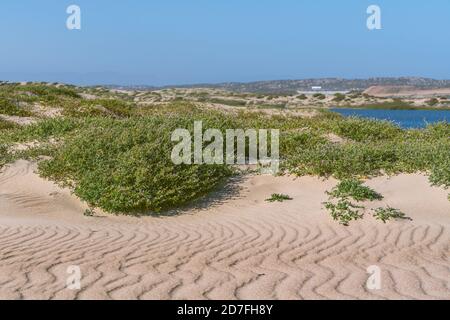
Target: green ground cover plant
125, 167
355, 189
11, 107
227, 102
432, 102
386, 214
319, 96
278, 197
103, 107
4, 125
4, 155
397, 104
272, 106
338, 97
344, 211
340, 205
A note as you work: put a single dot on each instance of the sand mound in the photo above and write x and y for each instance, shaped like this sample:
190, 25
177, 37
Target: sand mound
241, 248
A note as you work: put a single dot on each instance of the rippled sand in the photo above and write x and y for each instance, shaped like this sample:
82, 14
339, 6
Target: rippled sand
238, 247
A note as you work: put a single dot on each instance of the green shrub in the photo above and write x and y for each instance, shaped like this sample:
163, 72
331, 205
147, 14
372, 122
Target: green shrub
344, 211
41, 131
338, 97
272, 106
355, 189
440, 170
319, 96
8, 107
5, 125
432, 102
49, 92
397, 104
342, 161
4, 156
126, 167
102, 107
364, 130
227, 102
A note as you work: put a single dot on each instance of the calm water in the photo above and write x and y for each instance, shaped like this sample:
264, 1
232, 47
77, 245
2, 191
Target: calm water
404, 118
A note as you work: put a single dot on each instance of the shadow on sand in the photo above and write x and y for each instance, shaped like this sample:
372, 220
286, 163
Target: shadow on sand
230, 189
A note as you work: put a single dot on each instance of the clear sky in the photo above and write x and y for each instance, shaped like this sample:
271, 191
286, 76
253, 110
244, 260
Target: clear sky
159, 42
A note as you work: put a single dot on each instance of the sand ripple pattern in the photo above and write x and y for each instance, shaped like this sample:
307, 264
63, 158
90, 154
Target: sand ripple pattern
244, 248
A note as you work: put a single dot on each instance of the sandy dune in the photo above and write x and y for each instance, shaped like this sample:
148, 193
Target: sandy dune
404, 91
236, 248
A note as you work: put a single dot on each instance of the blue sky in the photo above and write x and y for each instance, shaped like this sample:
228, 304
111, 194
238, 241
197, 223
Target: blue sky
160, 42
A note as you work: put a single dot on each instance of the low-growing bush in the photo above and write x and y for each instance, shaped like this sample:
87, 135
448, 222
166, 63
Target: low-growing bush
126, 167
11, 108
338, 97
5, 125
319, 96
48, 92
386, 214
227, 102
102, 107
397, 104
355, 189
41, 131
364, 130
4, 156
344, 211
432, 102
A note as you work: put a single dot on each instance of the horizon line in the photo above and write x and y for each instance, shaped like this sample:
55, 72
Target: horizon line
194, 84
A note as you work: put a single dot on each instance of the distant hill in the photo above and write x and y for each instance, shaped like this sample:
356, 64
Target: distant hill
327, 84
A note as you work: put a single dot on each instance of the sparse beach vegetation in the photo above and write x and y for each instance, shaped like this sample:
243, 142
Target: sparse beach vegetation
344, 211
278, 197
115, 153
386, 214
355, 189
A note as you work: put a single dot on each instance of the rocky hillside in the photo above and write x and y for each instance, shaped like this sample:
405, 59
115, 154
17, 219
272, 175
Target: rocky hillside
327, 84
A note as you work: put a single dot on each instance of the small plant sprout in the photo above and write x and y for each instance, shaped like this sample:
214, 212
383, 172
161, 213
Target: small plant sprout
276, 197
386, 214
89, 212
344, 211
